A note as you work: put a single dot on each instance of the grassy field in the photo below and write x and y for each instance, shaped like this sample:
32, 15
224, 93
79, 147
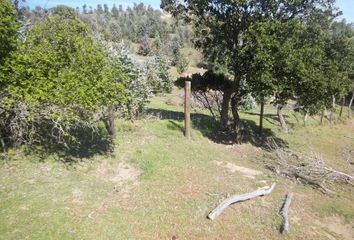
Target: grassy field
157, 185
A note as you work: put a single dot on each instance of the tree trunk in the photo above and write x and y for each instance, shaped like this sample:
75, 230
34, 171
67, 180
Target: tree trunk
331, 116
322, 117
2, 142
350, 106
236, 116
110, 122
341, 107
306, 116
225, 109
261, 119
281, 118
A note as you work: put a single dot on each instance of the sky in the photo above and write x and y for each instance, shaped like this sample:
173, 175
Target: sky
346, 6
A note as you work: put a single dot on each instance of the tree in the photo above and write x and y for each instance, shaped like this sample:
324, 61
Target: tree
144, 47
9, 27
221, 27
138, 89
157, 74
64, 12
105, 9
59, 81
99, 9
175, 47
330, 80
115, 12
84, 9
211, 81
182, 65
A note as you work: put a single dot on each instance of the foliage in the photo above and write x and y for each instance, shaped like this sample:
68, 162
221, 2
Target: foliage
248, 102
8, 31
157, 75
332, 68
182, 65
265, 45
175, 48
144, 47
211, 90
63, 11
132, 24
60, 78
138, 90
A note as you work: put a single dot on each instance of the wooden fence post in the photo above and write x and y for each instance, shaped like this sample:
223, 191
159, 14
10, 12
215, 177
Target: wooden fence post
187, 110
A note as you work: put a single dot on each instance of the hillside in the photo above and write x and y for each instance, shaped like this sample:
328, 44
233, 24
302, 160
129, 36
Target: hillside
157, 185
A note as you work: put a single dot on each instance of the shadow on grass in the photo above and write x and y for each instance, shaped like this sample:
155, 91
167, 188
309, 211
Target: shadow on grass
87, 144
271, 118
212, 130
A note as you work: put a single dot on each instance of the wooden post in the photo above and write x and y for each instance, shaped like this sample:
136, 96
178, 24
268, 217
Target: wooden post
187, 110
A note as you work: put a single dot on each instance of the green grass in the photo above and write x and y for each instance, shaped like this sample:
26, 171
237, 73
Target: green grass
178, 186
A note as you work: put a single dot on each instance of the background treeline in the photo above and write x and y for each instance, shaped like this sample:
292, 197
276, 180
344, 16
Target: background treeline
155, 31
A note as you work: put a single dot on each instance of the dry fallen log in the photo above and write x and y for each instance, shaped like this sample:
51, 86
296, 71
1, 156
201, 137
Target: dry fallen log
239, 198
285, 212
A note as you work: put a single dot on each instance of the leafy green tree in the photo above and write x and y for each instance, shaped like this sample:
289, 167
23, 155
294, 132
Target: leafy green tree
64, 12
221, 29
182, 65
157, 75
9, 27
61, 79
330, 79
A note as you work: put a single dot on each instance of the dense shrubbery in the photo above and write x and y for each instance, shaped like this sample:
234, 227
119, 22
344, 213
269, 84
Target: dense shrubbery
59, 79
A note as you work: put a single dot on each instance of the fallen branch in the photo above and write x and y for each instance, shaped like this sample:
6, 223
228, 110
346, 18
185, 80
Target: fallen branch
339, 173
285, 212
239, 198
308, 169
303, 178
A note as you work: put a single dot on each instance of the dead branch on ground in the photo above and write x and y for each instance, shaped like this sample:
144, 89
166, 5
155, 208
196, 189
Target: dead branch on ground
309, 169
285, 214
239, 198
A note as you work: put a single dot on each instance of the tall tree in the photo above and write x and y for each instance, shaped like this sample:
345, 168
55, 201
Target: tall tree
9, 27
84, 9
221, 27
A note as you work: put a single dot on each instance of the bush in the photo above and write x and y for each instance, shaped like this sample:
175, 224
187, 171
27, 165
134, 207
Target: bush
137, 87
182, 65
157, 75
59, 80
